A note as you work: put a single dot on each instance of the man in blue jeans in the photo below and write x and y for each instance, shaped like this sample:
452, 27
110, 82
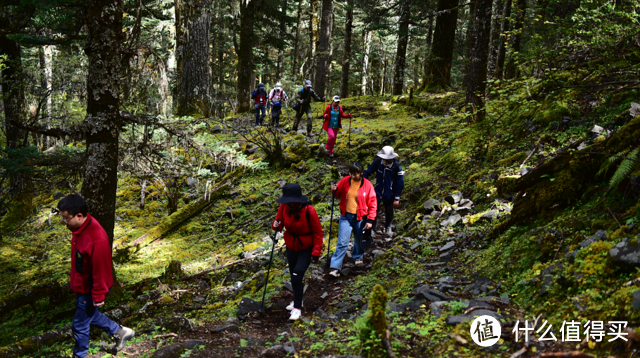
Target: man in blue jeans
358, 207
91, 274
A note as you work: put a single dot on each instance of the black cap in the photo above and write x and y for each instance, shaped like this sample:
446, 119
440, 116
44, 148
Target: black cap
292, 193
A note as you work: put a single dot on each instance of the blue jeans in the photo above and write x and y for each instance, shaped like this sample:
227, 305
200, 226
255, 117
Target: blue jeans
348, 223
259, 108
86, 315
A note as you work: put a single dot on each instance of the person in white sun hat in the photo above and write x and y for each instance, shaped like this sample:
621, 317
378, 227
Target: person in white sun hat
389, 183
277, 96
333, 122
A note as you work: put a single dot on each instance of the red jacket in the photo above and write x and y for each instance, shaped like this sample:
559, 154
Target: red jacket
301, 234
327, 117
367, 203
91, 260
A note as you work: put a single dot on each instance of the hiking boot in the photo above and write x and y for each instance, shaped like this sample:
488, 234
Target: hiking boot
122, 336
290, 306
295, 314
359, 262
334, 273
332, 155
309, 134
388, 232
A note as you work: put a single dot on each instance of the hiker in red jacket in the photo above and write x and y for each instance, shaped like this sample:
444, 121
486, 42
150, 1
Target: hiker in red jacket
303, 238
333, 122
91, 276
358, 207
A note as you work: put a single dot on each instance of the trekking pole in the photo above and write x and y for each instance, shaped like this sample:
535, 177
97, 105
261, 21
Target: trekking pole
269, 269
350, 132
333, 199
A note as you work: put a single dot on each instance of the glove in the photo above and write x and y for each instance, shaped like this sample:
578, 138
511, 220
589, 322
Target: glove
314, 259
255, 106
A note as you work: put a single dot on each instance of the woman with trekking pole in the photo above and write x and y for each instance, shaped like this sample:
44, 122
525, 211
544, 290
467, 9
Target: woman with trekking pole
358, 207
333, 122
303, 238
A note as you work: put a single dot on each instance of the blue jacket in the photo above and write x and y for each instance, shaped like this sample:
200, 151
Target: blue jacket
389, 180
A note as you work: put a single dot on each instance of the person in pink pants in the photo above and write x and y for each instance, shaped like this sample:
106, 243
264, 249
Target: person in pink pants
333, 122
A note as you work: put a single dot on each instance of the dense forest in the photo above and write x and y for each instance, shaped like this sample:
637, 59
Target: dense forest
516, 125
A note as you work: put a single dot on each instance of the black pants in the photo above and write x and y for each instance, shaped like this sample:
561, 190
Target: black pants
275, 116
388, 212
298, 263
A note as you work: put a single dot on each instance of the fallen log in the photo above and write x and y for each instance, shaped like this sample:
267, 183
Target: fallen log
30, 295
33, 344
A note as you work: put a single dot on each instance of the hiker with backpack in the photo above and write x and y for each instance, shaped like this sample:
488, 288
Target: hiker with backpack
259, 97
303, 238
358, 209
333, 122
276, 97
389, 183
303, 105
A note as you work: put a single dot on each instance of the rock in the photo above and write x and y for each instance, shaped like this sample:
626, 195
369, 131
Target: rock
176, 323
227, 328
636, 299
634, 111
346, 312
626, 253
321, 314
445, 279
414, 246
480, 285
356, 298
453, 198
435, 264
505, 299
324, 295
598, 236
289, 348
276, 351
57, 195
216, 129
170, 351
525, 170
436, 308
457, 319
430, 294
246, 306
447, 246
233, 320
452, 220
288, 286
445, 257
489, 215
597, 129
486, 299
345, 271
198, 299
193, 343
431, 205
281, 183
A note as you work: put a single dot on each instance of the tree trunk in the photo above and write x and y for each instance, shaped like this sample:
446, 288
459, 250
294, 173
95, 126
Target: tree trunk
245, 56
365, 61
438, 72
521, 9
428, 44
477, 68
313, 38
193, 20
102, 121
326, 25
495, 37
283, 33
401, 51
296, 51
502, 49
12, 91
346, 58
468, 40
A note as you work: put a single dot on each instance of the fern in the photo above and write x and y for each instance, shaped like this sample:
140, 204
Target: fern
609, 162
624, 169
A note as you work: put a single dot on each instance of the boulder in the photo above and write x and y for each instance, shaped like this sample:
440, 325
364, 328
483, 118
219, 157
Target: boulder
598, 236
431, 205
452, 220
276, 351
436, 308
449, 245
227, 328
453, 198
176, 323
170, 351
445, 257
489, 215
626, 253
246, 306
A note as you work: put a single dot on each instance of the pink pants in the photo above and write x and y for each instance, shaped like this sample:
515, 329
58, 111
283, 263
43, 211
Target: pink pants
332, 133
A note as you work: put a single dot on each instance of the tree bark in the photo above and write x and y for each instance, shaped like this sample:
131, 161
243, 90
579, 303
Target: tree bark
521, 9
102, 121
365, 61
502, 49
313, 38
401, 51
346, 58
283, 32
245, 55
477, 67
193, 21
296, 51
438, 72
324, 57
12, 91
495, 37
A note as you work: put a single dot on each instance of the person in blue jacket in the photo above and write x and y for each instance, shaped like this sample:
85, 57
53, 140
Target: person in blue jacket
389, 183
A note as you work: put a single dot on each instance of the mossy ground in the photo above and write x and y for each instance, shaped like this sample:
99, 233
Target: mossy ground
441, 151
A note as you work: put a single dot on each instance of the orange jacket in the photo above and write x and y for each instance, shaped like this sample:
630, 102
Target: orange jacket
367, 203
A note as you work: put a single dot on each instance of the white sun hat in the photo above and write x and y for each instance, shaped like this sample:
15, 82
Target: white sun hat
336, 98
387, 153
278, 85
